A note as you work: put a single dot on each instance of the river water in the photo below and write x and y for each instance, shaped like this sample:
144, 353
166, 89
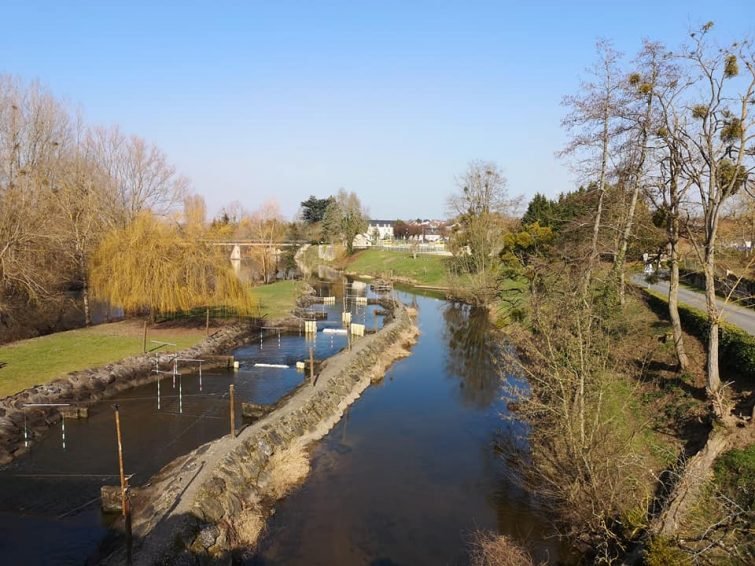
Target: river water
52, 492
406, 477
411, 472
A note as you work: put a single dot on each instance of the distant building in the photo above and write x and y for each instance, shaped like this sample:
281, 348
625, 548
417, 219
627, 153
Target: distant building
381, 229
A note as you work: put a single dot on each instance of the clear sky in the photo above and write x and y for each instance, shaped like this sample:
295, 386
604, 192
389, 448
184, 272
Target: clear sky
390, 99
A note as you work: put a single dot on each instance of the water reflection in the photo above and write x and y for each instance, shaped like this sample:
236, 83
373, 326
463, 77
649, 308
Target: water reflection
410, 473
472, 353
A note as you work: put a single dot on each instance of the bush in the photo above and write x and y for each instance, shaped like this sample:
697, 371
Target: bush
490, 549
663, 552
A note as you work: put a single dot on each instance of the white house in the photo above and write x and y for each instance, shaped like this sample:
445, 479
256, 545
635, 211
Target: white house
383, 229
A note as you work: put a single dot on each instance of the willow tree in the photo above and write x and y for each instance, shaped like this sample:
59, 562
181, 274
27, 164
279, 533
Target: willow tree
150, 266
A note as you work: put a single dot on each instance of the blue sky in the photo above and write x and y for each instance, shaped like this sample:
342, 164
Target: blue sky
283, 99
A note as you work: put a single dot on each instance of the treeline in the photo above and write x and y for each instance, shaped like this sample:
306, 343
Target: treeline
66, 187
665, 146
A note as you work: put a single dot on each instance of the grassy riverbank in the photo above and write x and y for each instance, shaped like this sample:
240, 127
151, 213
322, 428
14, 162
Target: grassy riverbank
424, 270
31, 362
35, 361
278, 299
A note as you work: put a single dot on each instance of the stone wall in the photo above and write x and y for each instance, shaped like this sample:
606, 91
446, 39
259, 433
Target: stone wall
239, 478
227, 483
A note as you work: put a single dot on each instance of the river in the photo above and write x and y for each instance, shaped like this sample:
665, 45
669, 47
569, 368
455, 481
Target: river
406, 477
51, 493
410, 473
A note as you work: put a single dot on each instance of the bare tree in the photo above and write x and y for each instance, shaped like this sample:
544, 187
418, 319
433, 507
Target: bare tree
79, 200
718, 145
141, 175
591, 120
266, 227
34, 130
479, 208
641, 86
668, 191
344, 219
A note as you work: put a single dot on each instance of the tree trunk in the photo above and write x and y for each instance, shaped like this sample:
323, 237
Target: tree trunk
85, 300
85, 290
618, 265
691, 482
599, 208
714, 379
673, 307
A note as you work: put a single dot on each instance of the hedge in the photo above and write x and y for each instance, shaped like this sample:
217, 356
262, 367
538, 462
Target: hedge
736, 348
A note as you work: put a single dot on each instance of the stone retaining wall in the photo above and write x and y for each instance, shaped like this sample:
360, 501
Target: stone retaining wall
238, 479
221, 485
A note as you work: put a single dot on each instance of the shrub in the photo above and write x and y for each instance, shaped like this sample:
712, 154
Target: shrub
735, 346
663, 552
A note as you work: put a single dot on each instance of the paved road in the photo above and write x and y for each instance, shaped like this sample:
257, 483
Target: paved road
742, 317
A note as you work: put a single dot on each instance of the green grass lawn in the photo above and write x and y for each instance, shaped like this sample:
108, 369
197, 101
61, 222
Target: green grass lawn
424, 270
38, 360
277, 299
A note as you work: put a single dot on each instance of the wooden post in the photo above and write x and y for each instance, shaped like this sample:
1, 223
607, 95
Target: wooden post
311, 365
207, 322
144, 344
233, 411
124, 483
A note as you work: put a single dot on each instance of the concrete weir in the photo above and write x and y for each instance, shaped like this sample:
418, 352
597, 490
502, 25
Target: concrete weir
215, 500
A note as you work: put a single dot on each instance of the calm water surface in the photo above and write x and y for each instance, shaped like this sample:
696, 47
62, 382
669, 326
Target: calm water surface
405, 478
410, 473
51, 494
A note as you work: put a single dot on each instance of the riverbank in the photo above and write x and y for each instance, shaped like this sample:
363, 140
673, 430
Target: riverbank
105, 362
216, 499
21, 422
661, 463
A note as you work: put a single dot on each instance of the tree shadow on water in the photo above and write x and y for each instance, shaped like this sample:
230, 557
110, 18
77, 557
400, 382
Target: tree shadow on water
473, 352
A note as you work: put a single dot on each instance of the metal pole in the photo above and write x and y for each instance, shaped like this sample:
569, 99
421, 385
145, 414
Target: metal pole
233, 411
144, 347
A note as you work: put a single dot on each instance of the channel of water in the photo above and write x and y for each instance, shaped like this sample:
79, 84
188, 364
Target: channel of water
51, 493
410, 473
406, 477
